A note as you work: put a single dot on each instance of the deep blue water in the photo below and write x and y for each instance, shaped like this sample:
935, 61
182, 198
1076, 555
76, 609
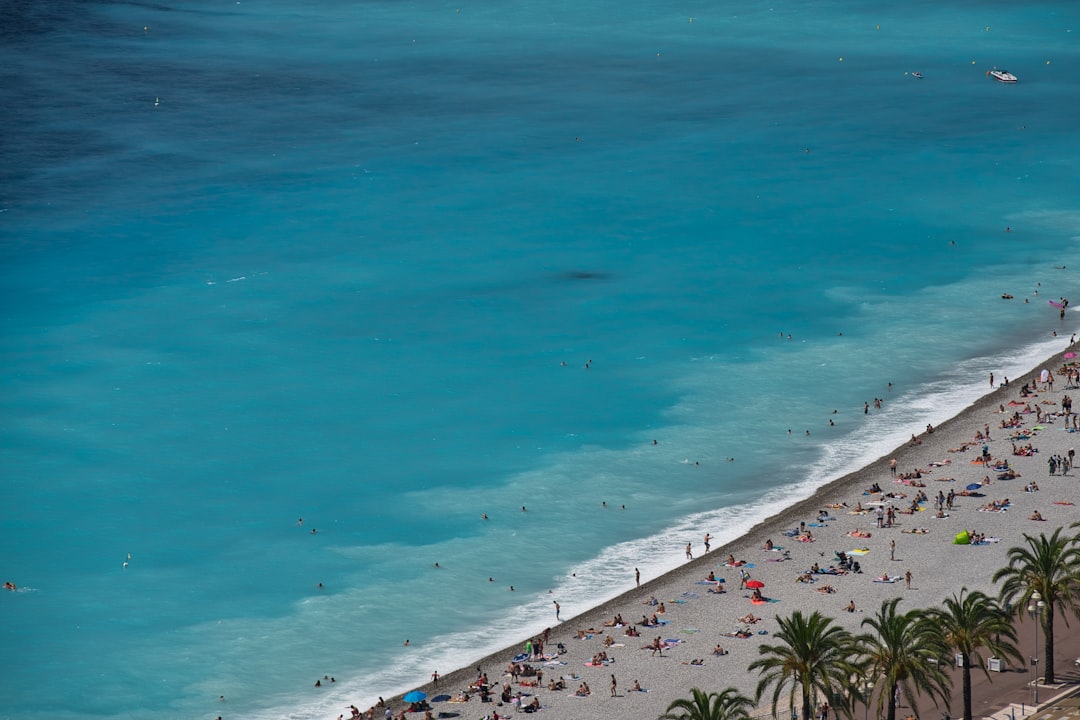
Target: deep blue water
270, 260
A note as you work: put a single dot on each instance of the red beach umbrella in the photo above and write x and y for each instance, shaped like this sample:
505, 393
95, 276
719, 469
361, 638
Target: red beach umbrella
754, 584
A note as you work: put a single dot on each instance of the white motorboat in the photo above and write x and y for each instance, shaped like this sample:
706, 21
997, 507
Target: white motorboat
1001, 75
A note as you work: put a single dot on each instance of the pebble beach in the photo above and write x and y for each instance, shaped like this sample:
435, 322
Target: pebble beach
918, 553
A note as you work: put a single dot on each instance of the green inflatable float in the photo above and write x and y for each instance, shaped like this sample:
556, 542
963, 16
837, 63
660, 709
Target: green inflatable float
962, 538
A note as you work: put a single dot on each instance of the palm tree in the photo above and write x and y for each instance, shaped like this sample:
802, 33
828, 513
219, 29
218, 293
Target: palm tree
904, 651
972, 621
814, 657
728, 704
1051, 567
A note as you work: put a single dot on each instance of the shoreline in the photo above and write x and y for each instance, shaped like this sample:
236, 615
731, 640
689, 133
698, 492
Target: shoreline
632, 664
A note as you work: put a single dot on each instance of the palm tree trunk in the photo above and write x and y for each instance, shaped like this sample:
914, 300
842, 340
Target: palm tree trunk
1048, 646
891, 703
807, 703
966, 675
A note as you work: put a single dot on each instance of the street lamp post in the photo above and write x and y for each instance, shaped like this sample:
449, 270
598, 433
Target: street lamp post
1035, 610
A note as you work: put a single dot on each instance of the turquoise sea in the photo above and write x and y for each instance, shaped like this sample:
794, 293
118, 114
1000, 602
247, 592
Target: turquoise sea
390, 266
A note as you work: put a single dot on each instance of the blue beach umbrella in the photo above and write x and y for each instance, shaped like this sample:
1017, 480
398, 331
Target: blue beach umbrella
415, 696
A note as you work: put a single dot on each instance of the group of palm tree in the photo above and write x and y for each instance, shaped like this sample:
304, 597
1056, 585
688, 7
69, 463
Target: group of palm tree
814, 657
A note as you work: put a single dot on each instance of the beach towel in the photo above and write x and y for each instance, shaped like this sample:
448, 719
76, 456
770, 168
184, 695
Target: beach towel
859, 551
894, 578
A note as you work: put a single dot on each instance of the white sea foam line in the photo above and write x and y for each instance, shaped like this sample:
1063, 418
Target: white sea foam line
602, 578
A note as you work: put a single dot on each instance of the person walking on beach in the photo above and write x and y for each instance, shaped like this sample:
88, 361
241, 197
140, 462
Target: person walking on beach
907, 579
614, 685
435, 678
708, 537
689, 552
892, 466
892, 550
637, 578
557, 608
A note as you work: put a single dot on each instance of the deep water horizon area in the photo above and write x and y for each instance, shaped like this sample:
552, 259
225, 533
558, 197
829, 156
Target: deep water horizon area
326, 323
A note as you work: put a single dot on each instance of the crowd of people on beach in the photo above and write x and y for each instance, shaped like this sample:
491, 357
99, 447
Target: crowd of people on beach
891, 509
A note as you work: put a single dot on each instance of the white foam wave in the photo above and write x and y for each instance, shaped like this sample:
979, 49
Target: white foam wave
609, 574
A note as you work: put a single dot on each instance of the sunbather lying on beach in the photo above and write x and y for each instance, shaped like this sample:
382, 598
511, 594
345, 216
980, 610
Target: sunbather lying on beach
826, 589
830, 571
750, 619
